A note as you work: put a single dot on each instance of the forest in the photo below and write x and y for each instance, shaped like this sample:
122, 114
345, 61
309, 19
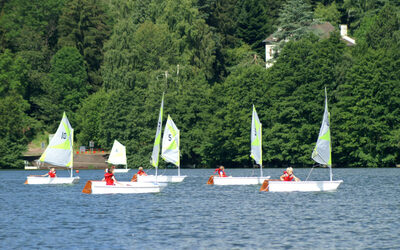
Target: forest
107, 63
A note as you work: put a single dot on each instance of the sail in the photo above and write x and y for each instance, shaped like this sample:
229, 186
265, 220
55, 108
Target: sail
322, 150
170, 143
256, 138
59, 151
157, 140
118, 154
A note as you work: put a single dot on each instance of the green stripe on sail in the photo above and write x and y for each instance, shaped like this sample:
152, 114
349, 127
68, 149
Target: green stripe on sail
256, 141
43, 157
326, 136
172, 146
65, 145
172, 130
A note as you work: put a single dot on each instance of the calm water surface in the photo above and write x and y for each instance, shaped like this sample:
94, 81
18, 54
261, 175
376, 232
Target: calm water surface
362, 214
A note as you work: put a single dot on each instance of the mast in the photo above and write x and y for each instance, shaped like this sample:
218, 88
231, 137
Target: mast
156, 148
72, 152
179, 152
261, 165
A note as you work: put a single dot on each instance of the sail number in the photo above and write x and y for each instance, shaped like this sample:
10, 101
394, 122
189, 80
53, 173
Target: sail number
169, 137
63, 135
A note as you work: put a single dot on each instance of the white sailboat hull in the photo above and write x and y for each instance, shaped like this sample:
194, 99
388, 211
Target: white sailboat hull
124, 187
37, 180
303, 186
121, 170
239, 180
160, 178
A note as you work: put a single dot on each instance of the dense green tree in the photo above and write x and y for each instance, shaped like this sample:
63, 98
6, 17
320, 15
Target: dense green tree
355, 10
385, 31
29, 25
13, 74
368, 111
195, 41
130, 52
328, 13
295, 20
89, 118
66, 87
13, 123
84, 25
257, 20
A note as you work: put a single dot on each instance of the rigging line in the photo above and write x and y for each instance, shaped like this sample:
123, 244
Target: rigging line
310, 172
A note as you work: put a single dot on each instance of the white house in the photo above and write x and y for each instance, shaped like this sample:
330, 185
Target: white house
323, 31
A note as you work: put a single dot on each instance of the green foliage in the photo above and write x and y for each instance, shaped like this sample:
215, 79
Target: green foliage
256, 20
385, 30
107, 63
89, 118
66, 87
328, 13
295, 20
13, 74
84, 25
29, 25
131, 51
368, 111
13, 123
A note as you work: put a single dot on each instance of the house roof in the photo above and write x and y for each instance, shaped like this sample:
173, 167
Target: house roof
323, 30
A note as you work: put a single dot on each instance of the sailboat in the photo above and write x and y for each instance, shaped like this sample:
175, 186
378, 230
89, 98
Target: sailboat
100, 187
118, 157
321, 154
170, 151
59, 152
256, 154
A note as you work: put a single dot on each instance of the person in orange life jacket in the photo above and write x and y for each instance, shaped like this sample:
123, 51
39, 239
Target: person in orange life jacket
221, 171
141, 172
51, 173
288, 175
109, 177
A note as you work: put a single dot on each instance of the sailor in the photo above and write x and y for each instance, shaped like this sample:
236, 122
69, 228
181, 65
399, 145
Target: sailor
141, 172
288, 175
221, 171
109, 177
52, 173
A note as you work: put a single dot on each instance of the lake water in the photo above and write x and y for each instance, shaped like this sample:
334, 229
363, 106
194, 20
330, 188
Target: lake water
362, 214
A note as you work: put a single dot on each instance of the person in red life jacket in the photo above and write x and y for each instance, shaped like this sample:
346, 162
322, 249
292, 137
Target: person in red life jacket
288, 175
141, 172
52, 173
109, 177
221, 172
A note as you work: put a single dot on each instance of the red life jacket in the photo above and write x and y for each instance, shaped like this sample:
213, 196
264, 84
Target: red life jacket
141, 172
221, 173
52, 174
288, 177
108, 178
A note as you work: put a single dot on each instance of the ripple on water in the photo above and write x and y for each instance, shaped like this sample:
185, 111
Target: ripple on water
193, 215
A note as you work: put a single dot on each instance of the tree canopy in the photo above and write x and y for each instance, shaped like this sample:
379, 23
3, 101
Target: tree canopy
108, 63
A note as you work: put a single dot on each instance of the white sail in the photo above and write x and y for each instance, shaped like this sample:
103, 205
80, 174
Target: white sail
118, 154
322, 151
59, 152
156, 148
170, 143
256, 138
